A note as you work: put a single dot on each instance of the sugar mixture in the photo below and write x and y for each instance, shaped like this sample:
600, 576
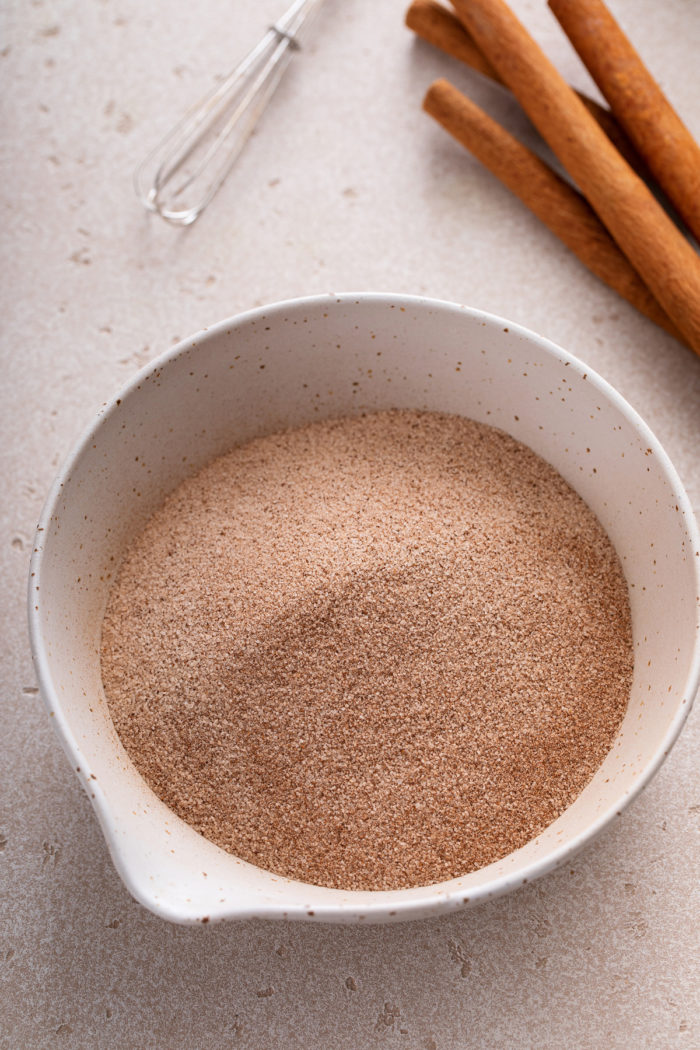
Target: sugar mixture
371, 653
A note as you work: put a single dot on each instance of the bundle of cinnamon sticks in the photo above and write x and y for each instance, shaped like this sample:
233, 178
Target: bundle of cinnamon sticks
615, 224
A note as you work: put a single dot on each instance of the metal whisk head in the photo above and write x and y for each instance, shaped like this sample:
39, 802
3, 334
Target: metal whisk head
181, 175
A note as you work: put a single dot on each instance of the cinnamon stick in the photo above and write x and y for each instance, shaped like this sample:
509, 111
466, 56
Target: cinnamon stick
441, 28
656, 249
550, 197
637, 101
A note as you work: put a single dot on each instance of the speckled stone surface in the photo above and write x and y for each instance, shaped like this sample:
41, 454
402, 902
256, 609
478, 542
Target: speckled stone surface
345, 186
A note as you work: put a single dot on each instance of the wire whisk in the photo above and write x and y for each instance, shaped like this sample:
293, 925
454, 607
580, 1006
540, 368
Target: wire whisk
182, 174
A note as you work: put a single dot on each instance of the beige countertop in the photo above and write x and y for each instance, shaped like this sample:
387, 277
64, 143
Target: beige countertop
346, 186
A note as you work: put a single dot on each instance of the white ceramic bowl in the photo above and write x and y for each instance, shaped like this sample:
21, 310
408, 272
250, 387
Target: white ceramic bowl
303, 360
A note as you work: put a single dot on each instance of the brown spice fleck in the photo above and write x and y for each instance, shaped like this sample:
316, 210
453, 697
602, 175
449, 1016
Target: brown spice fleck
370, 653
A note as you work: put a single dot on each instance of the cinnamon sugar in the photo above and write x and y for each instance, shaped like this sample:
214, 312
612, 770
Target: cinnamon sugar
370, 653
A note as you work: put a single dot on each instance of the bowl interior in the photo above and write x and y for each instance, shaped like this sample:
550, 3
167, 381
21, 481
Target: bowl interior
306, 360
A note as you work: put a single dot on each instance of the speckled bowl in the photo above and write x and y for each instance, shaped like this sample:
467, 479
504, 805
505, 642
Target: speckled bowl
285, 365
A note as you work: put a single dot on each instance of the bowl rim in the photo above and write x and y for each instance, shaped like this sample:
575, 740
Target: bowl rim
434, 900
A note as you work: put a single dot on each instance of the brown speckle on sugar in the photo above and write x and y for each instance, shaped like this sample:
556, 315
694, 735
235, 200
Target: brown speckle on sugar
370, 653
